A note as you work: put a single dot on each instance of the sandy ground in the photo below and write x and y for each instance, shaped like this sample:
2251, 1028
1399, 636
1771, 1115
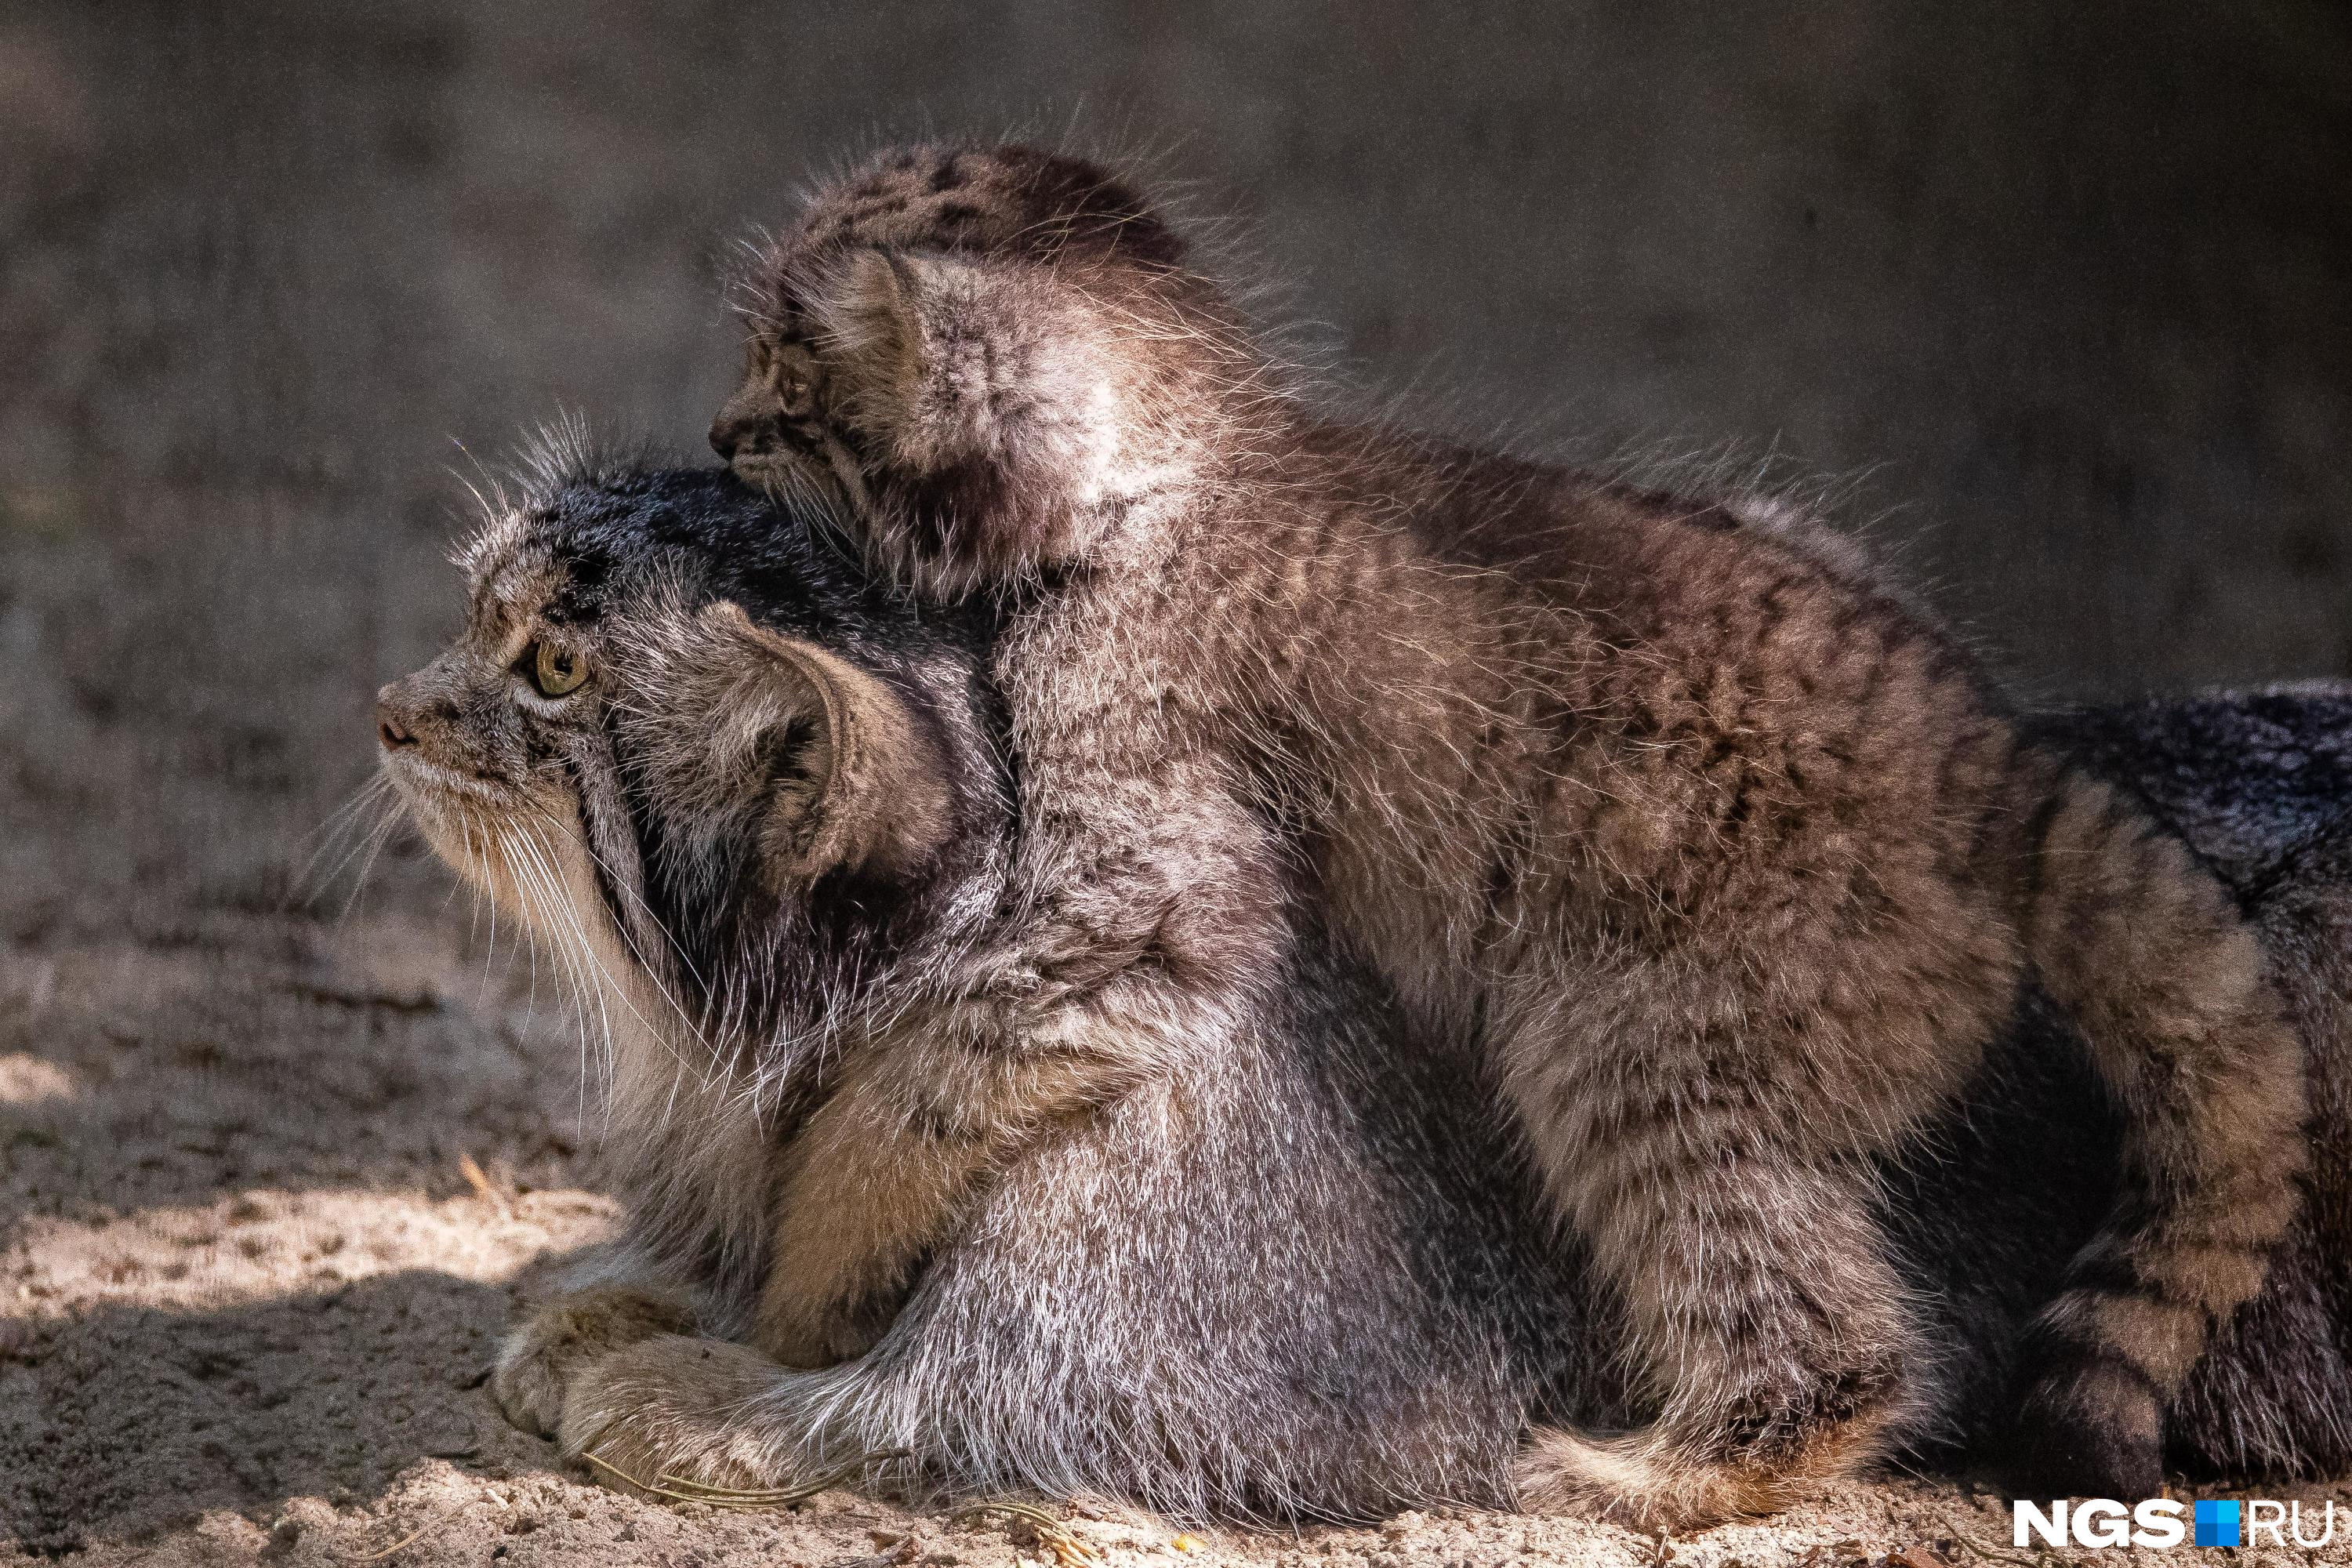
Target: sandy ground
275, 1185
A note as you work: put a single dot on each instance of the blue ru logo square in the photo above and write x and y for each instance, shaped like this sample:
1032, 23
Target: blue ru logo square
2217, 1524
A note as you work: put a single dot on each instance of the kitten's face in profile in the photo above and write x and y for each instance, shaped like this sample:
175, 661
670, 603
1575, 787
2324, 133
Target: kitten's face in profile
771, 431
682, 742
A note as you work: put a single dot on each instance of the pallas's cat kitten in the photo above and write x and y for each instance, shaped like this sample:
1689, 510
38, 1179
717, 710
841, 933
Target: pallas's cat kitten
1727, 855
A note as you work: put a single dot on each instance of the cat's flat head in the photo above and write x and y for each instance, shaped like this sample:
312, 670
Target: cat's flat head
967, 313
685, 742
943, 198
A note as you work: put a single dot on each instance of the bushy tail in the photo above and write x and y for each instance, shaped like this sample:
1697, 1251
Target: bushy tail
2274, 1396
2306, 915
2148, 952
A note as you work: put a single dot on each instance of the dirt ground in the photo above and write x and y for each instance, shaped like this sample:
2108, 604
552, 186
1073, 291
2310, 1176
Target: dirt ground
276, 1182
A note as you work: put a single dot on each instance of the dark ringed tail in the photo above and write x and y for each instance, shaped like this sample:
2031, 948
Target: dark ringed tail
2147, 951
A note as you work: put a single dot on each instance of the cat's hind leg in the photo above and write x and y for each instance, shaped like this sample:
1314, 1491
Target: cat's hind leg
1767, 1318
1709, 1137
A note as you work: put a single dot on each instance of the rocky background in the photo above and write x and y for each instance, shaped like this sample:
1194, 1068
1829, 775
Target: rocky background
2060, 296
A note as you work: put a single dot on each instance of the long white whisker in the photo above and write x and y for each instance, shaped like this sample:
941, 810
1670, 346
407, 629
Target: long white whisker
473, 878
616, 880
568, 944
563, 932
385, 826
489, 845
586, 947
339, 824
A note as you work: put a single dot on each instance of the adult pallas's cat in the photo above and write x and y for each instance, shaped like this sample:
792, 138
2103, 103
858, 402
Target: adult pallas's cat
1727, 855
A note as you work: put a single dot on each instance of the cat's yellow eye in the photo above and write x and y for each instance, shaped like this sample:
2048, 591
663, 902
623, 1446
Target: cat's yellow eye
792, 375
557, 672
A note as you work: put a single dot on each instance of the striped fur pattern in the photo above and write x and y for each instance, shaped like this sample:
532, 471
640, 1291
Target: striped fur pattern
1725, 858
2259, 785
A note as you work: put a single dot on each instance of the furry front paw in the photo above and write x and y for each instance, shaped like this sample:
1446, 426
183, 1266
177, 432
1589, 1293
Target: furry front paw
2094, 1429
1636, 1482
674, 1409
539, 1359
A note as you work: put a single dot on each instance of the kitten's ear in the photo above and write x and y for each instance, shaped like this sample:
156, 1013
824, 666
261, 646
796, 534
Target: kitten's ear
849, 780
996, 409
938, 360
886, 321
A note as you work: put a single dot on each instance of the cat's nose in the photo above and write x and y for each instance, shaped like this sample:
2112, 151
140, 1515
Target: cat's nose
391, 726
727, 434
746, 420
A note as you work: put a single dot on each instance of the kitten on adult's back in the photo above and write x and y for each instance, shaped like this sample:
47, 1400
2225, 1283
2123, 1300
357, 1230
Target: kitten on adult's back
1729, 857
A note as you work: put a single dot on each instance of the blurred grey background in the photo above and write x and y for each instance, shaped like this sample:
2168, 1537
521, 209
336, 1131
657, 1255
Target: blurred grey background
2070, 285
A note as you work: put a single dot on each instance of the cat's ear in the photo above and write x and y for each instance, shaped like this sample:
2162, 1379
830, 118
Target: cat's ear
848, 779
906, 341
997, 409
